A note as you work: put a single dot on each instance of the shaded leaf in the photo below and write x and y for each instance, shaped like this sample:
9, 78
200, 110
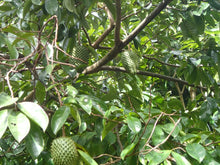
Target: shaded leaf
40, 92
107, 128
34, 141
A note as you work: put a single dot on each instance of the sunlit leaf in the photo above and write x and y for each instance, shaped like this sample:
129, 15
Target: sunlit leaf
51, 6
6, 100
35, 113
134, 124
86, 103
127, 150
3, 121
19, 125
180, 160
196, 151
59, 118
87, 158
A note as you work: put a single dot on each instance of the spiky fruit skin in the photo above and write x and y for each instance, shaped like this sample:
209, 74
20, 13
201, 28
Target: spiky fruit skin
81, 55
64, 152
130, 61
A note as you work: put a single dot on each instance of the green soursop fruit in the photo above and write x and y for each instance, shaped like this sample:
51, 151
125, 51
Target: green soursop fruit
64, 152
130, 61
81, 57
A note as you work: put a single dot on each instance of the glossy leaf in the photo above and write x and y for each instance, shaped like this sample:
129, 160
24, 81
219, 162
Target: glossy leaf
6, 100
86, 103
35, 113
40, 92
59, 118
87, 158
3, 122
158, 157
51, 6
180, 160
34, 141
169, 127
71, 91
12, 49
19, 125
75, 113
127, 150
134, 124
107, 128
196, 151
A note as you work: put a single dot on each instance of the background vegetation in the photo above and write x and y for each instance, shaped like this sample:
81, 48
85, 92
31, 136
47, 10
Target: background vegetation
164, 110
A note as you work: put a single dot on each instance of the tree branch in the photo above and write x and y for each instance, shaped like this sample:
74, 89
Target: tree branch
146, 73
110, 28
146, 21
118, 22
117, 48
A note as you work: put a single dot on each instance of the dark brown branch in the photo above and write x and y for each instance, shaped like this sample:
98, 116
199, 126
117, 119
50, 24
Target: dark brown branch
146, 21
110, 28
118, 22
146, 73
164, 63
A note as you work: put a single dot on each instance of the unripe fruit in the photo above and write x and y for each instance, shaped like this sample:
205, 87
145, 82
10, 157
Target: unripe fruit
64, 152
130, 61
81, 57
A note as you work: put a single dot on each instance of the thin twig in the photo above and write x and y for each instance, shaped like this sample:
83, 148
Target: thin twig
175, 125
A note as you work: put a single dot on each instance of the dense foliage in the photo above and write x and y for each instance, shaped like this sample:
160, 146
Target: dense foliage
142, 89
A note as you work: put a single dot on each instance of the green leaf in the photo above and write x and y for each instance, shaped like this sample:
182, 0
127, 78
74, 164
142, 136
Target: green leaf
107, 128
51, 6
134, 124
6, 100
127, 150
155, 158
12, 49
40, 92
36, 2
87, 158
71, 91
180, 160
169, 127
35, 113
26, 9
196, 151
86, 103
59, 118
69, 4
19, 125
74, 112
34, 141
3, 121
158, 135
